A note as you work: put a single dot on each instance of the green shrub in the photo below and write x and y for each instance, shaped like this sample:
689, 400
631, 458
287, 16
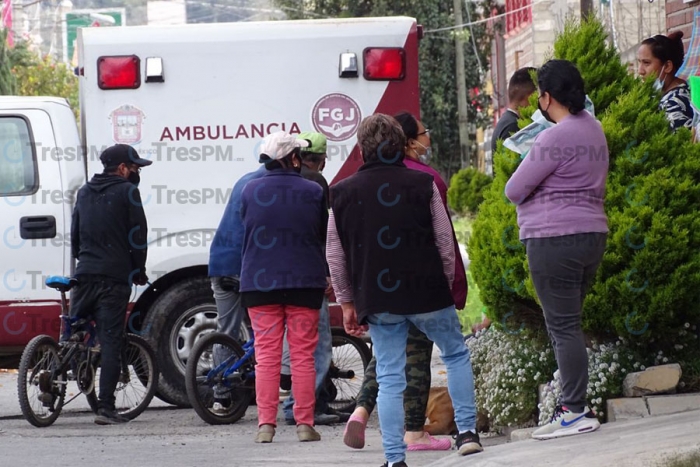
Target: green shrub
43, 76
466, 190
647, 287
604, 75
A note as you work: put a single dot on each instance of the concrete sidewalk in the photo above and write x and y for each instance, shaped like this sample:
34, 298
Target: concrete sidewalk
643, 442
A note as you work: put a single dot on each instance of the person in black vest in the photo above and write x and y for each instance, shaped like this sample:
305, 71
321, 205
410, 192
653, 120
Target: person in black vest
392, 260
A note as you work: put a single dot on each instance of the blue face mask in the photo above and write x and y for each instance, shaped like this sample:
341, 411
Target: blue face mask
427, 156
658, 84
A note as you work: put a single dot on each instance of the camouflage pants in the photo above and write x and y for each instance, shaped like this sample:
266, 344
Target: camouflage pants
419, 351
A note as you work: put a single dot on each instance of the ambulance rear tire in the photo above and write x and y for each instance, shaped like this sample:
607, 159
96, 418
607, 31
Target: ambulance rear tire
181, 316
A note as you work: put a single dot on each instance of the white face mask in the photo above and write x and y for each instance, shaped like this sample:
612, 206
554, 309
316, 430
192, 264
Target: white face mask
659, 84
427, 157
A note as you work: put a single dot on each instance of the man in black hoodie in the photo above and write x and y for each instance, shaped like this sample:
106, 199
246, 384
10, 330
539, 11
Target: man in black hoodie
109, 240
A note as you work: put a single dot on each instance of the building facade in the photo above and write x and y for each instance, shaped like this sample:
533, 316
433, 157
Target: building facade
679, 16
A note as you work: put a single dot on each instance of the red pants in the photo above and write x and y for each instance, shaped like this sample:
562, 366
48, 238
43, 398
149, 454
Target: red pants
302, 334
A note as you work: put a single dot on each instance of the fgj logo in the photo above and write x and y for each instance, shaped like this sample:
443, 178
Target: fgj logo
337, 116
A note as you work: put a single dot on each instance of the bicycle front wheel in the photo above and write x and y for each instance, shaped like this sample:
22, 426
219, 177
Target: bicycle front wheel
138, 379
41, 391
218, 397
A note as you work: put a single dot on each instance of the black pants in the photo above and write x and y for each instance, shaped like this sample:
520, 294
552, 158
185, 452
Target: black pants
562, 270
105, 301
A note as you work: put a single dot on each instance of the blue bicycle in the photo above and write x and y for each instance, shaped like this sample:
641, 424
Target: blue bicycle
220, 378
220, 375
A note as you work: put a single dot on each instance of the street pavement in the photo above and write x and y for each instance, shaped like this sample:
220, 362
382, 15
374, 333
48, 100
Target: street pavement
165, 436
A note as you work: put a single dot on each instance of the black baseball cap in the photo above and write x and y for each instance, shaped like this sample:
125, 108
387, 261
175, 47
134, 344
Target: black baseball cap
122, 154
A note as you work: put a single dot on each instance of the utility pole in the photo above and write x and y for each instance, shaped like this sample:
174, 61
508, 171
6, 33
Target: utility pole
640, 17
461, 87
586, 9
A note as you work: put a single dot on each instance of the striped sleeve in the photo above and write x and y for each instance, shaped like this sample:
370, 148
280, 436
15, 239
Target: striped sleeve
335, 255
443, 235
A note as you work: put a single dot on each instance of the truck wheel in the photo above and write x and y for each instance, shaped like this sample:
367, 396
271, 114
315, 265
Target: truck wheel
181, 316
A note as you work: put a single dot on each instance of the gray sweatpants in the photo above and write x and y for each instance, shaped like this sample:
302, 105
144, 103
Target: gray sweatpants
563, 268
231, 314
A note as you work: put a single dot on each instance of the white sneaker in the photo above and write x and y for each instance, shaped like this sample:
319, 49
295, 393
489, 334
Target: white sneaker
219, 409
567, 423
284, 395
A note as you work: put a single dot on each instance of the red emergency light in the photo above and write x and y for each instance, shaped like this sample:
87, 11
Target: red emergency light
119, 72
384, 63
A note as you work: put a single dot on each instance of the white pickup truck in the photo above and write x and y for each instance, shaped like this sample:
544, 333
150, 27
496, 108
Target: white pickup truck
195, 99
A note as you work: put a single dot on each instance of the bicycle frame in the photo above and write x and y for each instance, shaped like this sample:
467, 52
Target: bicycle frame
74, 343
249, 349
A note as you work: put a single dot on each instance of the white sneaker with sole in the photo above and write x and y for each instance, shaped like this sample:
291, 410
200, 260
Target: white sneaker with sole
567, 423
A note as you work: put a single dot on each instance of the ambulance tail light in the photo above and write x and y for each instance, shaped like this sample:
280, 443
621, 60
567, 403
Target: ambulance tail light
119, 72
384, 63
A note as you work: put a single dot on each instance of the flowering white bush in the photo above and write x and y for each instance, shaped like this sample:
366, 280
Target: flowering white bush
608, 364
509, 366
508, 369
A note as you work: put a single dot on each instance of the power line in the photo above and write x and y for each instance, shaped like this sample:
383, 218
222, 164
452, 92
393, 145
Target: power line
485, 20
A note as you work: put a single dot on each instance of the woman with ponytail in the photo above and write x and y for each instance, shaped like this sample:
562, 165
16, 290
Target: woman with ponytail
662, 56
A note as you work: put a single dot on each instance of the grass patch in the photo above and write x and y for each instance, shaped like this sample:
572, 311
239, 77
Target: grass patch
471, 314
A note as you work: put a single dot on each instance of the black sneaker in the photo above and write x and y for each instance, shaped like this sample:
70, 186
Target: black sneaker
342, 416
396, 464
468, 443
109, 417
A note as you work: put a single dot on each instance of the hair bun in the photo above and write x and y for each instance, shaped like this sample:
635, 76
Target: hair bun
676, 36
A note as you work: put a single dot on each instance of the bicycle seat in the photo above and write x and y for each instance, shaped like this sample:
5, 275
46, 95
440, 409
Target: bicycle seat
60, 283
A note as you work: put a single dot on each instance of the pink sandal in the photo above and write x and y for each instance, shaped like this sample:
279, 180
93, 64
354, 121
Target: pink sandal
354, 435
435, 445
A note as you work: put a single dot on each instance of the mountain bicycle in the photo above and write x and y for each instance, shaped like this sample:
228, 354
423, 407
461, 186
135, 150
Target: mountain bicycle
220, 375
46, 367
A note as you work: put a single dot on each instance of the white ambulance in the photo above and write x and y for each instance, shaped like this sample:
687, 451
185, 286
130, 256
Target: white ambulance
197, 100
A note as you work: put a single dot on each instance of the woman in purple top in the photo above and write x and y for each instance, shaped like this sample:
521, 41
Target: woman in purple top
559, 189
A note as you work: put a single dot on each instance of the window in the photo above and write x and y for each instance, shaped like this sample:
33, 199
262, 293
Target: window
18, 170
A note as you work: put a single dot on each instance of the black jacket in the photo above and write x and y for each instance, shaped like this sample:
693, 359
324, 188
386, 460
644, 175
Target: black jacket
109, 233
506, 127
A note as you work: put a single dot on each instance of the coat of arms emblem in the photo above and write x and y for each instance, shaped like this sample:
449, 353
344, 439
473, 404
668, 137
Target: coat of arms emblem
126, 124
